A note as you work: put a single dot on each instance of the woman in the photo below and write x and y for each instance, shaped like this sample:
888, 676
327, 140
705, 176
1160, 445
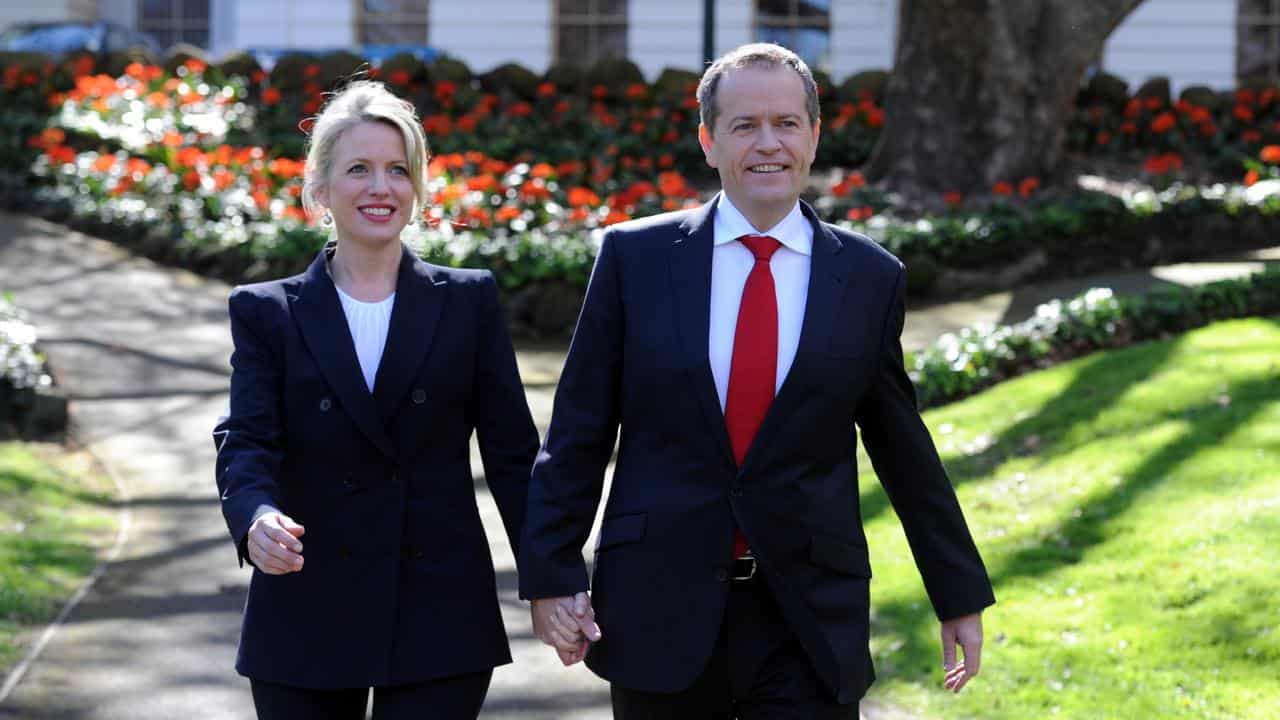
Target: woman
344, 465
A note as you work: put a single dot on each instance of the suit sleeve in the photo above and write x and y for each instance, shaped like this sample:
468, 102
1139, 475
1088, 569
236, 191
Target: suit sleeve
908, 466
507, 437
568, 476
249, 438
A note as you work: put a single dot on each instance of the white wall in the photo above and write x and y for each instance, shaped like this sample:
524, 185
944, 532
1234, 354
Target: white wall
863, 36
733, 24
665, 33
14, 11
488, 33
285, 23
1193, 42
124, 12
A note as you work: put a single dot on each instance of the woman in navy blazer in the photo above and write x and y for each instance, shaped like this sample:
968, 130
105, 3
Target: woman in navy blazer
344, 465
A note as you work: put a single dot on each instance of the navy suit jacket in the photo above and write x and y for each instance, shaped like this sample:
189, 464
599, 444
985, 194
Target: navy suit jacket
639, 362
398, 584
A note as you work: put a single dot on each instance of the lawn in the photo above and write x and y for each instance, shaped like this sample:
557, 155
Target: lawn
1127, 505
56, 519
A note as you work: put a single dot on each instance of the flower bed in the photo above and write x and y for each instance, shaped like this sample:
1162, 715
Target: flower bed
958, 365
28, 405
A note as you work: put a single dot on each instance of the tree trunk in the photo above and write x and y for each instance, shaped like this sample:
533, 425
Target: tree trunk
982, 91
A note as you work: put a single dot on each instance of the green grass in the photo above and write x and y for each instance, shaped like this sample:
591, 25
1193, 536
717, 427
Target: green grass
1127, 505
55, 519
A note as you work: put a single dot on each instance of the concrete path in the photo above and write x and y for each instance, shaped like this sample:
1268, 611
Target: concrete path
143, 353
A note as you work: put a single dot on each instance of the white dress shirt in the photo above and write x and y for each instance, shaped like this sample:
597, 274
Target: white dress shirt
731, 262
369, 324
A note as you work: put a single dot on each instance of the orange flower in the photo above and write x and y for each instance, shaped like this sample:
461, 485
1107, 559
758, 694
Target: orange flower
104, 163
53, 136
1270, 154
483, 183
615, 216
546, 89
1002, 188
135, 70
637, 91
271, 96
158, 99
580, 196
60, 155
195, 66
506, 214
1250, 178
261, 199
223, 179
1028, 186
172, 139
83, 66
191, 180
542, 170
1243, 114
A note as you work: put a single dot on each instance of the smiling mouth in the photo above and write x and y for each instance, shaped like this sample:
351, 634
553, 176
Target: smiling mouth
766, 169
377, 212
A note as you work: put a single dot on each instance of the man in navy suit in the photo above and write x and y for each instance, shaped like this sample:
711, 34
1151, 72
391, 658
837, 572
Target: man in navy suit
736, 346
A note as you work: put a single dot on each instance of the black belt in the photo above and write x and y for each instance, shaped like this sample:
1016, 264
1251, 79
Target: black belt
744, 568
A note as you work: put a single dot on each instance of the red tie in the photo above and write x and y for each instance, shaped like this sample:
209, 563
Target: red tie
753, 370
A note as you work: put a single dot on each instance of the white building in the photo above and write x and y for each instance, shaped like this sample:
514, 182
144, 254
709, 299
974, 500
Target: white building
1211, 42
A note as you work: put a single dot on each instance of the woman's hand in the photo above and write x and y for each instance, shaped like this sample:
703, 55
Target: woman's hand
273, 544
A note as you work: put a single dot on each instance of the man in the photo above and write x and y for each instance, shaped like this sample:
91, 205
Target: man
736, 345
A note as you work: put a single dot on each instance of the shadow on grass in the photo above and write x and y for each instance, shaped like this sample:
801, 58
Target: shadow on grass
1100, 381
1086, 526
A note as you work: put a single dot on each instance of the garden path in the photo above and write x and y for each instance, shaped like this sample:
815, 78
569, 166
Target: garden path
142, 353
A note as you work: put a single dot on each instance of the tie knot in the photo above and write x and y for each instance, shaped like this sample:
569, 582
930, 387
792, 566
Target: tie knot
762, 246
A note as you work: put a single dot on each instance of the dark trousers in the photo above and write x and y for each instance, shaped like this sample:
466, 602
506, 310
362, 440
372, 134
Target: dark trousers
451, 698
758, 671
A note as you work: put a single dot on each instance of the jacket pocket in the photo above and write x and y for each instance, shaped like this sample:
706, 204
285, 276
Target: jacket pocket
620, 530
836, 554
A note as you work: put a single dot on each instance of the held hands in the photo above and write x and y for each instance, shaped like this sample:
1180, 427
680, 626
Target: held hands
566, 623
273, 544
967, 631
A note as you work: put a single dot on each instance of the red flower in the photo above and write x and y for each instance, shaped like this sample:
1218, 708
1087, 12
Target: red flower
875, 118
1245, 96
1250, 178
1251, 136
1163, 164
1270, 154
1163, 123
445, 90
1028, 186
1103, 138
599, 91
952, 198
637, 91
311, 70
195, 66
1243, 114
615, 216
1153, 103
271, 96
399, 77
1129, 128
546, 89
1002, 188
519, 109
506, 214
84, 66
580, 196
1208, 129
859, 214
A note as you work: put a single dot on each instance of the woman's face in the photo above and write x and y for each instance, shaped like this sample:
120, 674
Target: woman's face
369, 191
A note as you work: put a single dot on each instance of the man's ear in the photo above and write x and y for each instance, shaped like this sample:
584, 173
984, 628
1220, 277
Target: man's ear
817, 128
704, 139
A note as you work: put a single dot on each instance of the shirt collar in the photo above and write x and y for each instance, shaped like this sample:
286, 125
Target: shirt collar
793, 230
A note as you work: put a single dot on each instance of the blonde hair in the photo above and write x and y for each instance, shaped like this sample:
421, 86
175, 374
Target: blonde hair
364, 101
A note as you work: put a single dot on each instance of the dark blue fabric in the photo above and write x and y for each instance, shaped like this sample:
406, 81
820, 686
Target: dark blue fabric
398, 584
638, 364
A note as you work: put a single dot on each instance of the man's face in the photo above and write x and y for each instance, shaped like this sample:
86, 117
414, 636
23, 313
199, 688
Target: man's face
763, 143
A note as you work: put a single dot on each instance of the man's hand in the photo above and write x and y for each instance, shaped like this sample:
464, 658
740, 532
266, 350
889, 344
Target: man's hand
566, 623
967, 631
273, 544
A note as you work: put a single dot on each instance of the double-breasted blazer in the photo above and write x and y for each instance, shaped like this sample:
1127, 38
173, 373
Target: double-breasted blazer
397, 585
639, 363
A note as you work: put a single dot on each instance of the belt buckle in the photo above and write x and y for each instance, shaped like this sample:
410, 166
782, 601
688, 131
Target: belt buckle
744, 568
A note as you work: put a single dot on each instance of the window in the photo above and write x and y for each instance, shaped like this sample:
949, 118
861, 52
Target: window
393, 22
174, 21
1258, 41
587, 30
803, 26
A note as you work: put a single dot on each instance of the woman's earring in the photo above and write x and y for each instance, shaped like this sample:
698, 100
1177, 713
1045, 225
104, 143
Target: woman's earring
326, 219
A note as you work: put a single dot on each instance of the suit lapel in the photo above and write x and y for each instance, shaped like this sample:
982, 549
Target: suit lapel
690, 264
323, 324
419, 299
829, 268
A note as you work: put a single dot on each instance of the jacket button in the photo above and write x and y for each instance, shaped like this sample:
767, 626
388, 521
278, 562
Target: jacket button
325, 404
419, 396
722, 575
418, 553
